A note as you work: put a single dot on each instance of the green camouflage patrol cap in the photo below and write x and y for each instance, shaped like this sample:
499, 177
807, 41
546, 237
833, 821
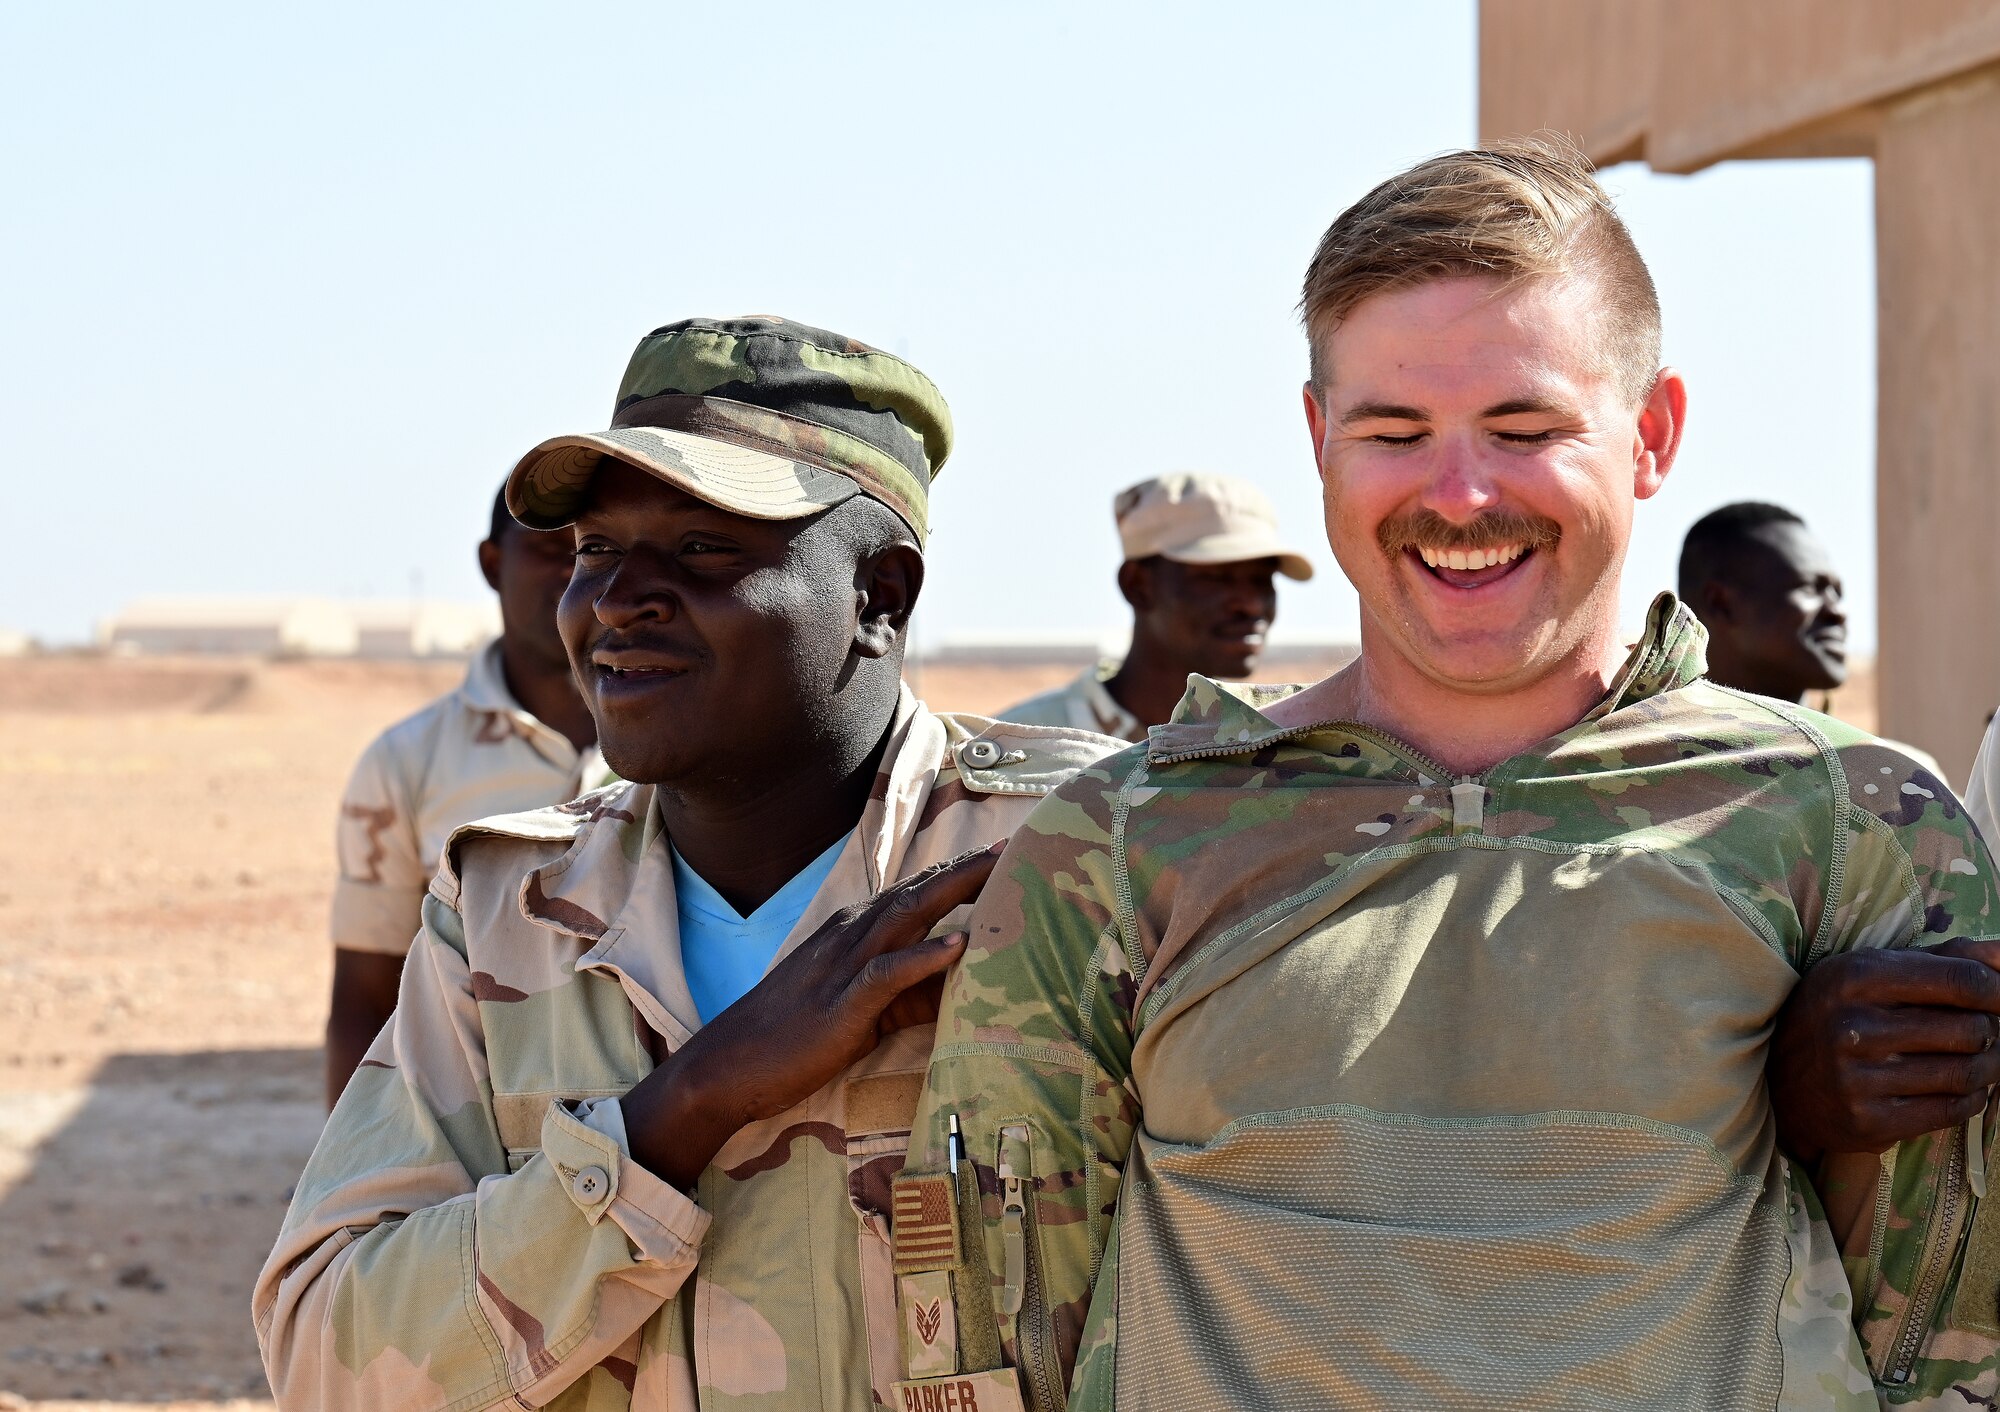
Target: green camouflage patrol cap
761, 416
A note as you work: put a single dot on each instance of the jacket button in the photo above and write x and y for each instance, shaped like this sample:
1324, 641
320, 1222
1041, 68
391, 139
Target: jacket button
589, 1185
981, 754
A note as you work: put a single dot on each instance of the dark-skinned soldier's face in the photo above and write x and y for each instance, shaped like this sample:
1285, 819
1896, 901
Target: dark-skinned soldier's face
1784, 630
703, 641
1212, 617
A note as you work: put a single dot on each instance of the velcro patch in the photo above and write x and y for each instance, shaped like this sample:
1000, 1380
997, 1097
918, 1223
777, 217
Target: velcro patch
1976, 1306
883, 1103
998, 1391
930, 1325
925, 1220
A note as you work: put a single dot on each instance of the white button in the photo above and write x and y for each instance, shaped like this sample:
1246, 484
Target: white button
981, 753
589, 1185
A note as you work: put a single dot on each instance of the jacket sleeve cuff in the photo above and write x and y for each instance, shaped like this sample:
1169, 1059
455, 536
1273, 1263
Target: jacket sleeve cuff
663, 1224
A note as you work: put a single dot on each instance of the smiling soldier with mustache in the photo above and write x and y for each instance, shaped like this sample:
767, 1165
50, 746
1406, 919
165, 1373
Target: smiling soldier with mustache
628, 1138
1401, 1040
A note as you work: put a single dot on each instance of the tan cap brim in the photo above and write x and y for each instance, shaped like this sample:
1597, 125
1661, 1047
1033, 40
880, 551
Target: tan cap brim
548, 485
1236, 548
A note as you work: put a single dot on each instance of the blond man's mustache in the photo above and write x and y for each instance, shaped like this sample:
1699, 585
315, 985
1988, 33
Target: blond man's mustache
1493, 530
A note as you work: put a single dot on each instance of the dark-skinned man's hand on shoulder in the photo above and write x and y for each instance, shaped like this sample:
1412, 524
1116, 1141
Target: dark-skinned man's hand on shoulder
1878, 1046
820, 1009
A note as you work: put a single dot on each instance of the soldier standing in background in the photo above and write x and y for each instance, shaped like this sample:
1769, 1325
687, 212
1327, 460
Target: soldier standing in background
1201, 556
1770, 598
514, 735
1766, 590
628, 1139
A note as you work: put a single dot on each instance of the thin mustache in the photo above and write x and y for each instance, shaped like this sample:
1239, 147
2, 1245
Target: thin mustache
1489, 531
645, 647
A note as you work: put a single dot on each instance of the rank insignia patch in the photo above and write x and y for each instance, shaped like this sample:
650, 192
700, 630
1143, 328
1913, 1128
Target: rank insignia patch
930, 1325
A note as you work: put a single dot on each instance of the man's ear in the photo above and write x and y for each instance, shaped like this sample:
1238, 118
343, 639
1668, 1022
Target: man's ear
1719, 604
1316, 426
887, 584
1135, 582
489, 563
1662, 420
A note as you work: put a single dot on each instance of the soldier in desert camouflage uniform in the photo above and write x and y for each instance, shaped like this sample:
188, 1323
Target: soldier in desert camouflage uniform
514, 735
1202, 555
555, 1181
1401, 1041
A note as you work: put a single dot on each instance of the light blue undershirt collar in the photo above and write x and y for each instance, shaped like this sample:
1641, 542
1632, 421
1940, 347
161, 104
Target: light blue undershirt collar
724, 953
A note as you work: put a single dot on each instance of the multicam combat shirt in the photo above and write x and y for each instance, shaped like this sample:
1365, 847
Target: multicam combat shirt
465, 1237
1354, 1084
472, 752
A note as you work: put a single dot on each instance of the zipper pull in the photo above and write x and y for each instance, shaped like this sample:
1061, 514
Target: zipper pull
1468, 806
1013, 1227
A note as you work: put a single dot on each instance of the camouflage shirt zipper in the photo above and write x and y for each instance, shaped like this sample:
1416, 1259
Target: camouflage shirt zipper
1917, 1318
1032, 1325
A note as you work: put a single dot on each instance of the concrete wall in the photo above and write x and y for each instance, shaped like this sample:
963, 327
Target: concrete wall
1937, 205
1582, 67
1692, 82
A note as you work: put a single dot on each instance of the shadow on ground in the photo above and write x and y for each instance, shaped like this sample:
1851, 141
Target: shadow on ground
144, 1204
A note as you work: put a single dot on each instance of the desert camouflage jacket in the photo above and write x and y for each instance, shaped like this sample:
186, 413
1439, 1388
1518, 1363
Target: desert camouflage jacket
472, 752
1292, 1071
1081, 702
467, 1236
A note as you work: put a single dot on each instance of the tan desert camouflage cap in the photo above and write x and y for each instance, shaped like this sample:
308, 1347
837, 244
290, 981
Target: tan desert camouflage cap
761, 416
1193, 517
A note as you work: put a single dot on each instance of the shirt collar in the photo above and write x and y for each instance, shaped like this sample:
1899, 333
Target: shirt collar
1228, 718
693, 891
1112, 719
586, 891
485, 690
485, 687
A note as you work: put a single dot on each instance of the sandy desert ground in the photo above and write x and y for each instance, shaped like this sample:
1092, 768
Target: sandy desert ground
162, 989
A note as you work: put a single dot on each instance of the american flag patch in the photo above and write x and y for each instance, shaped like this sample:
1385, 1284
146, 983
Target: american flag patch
925, 1220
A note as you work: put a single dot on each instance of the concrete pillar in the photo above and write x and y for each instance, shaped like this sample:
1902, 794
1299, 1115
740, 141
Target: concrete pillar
1937, 221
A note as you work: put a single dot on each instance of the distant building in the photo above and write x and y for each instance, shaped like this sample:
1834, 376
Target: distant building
299, 627
423, 629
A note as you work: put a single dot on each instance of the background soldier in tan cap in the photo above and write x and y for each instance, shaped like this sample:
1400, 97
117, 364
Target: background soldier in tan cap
514, 735
628, 1140
1201, 556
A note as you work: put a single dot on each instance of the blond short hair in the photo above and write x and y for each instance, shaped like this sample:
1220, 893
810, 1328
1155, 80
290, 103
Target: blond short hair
1521, 209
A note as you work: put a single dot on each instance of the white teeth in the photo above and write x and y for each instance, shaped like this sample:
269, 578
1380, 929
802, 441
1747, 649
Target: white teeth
1473, 559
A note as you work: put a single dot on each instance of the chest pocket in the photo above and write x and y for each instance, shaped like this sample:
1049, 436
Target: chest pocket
878, 1108
519, 1118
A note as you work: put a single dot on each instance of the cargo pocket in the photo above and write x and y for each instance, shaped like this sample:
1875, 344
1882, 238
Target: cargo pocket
878, 1109
951, 1347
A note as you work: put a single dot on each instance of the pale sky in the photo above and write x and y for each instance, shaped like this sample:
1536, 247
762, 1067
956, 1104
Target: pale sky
290, 288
